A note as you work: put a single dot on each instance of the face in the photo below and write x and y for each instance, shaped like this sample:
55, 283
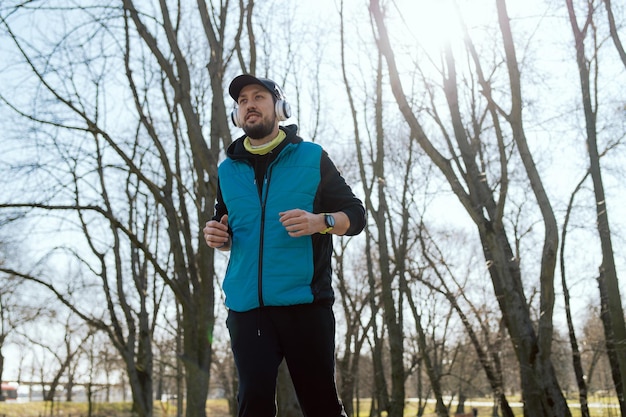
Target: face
256, 109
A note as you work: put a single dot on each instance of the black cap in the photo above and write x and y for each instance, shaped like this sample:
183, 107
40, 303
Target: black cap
246, 79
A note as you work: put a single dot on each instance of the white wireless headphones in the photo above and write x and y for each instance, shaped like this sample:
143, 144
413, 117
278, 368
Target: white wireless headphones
281, 106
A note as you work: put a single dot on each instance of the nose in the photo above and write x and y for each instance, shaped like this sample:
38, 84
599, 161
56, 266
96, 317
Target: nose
250, 107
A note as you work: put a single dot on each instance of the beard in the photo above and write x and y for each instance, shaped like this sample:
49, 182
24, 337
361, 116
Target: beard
261, 129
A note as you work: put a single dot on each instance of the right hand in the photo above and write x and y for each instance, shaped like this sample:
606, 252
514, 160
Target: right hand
216, 233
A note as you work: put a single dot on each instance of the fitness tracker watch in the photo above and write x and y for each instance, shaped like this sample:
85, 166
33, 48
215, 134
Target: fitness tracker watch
330, 223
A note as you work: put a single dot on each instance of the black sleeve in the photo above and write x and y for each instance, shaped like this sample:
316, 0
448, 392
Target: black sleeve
220, 207
334, 194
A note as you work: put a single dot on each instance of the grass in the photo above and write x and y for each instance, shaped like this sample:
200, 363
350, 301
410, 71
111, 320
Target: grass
65, 409
219, 408
215, 408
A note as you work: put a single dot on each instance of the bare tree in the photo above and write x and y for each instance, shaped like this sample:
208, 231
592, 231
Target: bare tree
226, 375
610, 299
355, 301
487, 351
17, 314
389, 397
62, 358
428, 357
176, 198
594, 357
14, 313
540, 387
7, 289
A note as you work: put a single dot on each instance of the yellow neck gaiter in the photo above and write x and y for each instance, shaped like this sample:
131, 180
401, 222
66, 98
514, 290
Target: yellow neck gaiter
266, 147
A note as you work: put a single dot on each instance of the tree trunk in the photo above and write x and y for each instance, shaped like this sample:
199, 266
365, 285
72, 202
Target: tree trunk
612, 313
1, 359
540, 389
392, 308
140, 381
198, 353
579, 372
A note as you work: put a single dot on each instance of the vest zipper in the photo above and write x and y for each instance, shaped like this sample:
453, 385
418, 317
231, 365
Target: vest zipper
264, 195
260, 273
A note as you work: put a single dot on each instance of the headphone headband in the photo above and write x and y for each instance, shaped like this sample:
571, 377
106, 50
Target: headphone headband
281, 106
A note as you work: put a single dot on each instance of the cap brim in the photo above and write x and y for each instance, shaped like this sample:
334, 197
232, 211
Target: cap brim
241, 81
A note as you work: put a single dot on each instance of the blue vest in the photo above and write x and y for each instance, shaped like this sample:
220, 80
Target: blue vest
267, 266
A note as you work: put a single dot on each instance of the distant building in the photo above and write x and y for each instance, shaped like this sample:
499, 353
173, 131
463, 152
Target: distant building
8, 391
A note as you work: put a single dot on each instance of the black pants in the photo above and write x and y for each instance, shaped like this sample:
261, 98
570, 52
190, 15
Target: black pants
305, 336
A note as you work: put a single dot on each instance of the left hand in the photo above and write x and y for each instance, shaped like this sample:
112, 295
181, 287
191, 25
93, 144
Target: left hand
301, 223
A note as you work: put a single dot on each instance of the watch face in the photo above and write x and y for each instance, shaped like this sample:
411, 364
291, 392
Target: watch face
330, 220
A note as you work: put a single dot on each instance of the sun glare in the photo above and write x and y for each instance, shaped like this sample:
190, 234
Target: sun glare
433, 23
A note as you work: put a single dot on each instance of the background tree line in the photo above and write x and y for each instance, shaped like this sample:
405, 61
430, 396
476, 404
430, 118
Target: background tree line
485, 138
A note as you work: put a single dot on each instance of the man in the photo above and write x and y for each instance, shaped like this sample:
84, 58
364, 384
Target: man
280, 200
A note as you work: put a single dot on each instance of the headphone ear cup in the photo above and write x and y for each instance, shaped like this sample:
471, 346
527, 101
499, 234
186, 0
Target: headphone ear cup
283, 110
234, 116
